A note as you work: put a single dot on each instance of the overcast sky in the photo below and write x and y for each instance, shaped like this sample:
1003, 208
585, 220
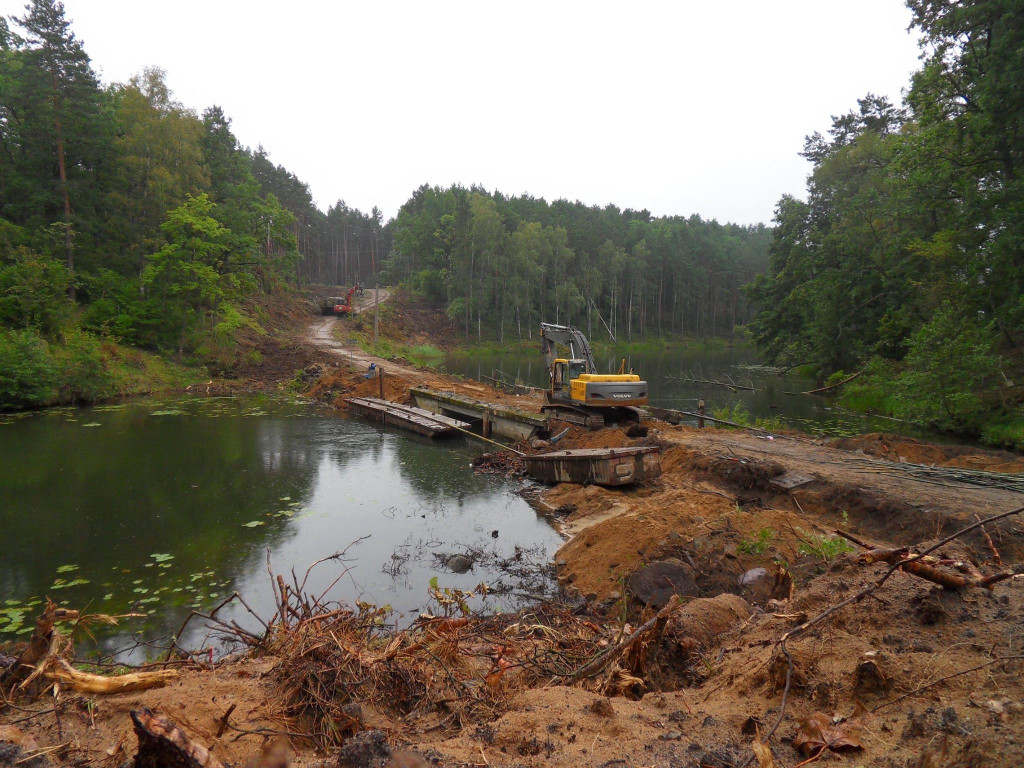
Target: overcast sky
678, 107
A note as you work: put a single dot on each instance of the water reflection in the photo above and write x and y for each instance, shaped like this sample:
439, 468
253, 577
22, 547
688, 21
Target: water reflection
164, 506
666, 371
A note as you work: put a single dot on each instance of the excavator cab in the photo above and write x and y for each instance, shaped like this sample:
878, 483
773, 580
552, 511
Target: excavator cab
563, 373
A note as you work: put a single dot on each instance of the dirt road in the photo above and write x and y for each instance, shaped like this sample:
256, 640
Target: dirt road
321, 335
897, 482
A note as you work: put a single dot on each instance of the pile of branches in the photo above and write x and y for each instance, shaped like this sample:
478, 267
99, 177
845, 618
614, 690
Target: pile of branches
443, 671
503, 463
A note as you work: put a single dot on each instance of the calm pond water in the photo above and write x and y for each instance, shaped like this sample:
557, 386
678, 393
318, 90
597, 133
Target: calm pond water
156, 507
665, 371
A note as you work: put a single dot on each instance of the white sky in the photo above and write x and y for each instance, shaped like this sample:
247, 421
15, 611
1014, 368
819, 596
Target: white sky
678, 107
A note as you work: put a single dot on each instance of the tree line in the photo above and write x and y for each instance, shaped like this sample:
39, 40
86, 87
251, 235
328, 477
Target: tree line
500, 265
126, 217
907, 257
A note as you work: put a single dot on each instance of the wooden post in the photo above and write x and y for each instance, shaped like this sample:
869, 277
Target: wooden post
380, 382
700, 410
486, 426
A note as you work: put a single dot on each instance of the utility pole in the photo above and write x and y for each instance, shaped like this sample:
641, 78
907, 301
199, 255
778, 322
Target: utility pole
376, 288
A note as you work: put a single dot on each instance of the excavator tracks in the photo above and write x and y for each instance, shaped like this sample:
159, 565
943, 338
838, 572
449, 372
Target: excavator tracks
590, 417
580, 416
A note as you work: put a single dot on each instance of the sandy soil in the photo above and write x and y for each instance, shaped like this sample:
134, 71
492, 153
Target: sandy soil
888, 672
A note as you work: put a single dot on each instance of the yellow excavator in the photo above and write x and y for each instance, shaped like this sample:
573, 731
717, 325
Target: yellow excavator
577, 393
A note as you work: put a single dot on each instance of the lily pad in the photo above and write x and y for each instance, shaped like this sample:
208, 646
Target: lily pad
253, 523
93, 424
167, 412
66, 568
61, 584
162, 557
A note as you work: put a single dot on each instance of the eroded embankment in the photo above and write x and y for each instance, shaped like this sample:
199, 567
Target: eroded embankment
921, 669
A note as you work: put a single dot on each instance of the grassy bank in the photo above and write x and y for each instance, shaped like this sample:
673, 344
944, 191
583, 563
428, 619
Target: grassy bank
78, 367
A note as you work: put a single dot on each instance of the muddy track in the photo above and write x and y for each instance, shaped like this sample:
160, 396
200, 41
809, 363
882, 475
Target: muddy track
906, 506
321, 335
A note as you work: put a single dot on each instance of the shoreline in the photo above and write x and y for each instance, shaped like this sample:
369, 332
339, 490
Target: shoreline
748, 558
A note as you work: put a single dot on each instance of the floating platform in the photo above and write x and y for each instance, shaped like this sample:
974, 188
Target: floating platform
405, 416
601, 466
504, 421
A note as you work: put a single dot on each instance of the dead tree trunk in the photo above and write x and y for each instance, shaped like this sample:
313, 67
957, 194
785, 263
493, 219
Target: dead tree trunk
162, 744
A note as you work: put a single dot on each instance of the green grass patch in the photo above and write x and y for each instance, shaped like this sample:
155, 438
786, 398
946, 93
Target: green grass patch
424, 355
822, 547
1005, 434
759, 544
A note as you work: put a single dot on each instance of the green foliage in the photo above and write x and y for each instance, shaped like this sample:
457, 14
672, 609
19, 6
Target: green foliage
234, 319
432, 283
27, 373
117, 310
873, 392
735, 413
906, 252
949, 362
739, 415
759, 544
33, 292
822, 547
83, 374
174, 227
509, 263
770, 424
835, 378
1008, 433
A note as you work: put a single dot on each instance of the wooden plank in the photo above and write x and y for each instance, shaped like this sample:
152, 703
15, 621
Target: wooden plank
412, 412
790, 479
405, 416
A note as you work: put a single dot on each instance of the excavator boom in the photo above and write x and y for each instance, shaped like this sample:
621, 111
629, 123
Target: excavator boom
567, 336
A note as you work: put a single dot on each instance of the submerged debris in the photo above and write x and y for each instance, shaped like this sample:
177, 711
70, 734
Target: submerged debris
503, 463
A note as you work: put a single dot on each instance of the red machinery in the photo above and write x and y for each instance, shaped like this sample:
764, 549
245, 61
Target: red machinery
337, 305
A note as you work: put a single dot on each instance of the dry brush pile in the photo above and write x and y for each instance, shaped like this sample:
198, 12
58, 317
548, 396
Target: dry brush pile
443, 671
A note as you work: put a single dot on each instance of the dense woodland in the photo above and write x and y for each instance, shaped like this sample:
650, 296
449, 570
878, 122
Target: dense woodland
126, 218
128, 221
500, 265
907, 257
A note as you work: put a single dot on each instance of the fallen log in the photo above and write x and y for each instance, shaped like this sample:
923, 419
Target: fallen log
162, 744
819, 390
85, 682
923, 568
713, 382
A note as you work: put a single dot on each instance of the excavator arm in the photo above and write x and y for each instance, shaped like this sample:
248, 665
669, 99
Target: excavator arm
552, 335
